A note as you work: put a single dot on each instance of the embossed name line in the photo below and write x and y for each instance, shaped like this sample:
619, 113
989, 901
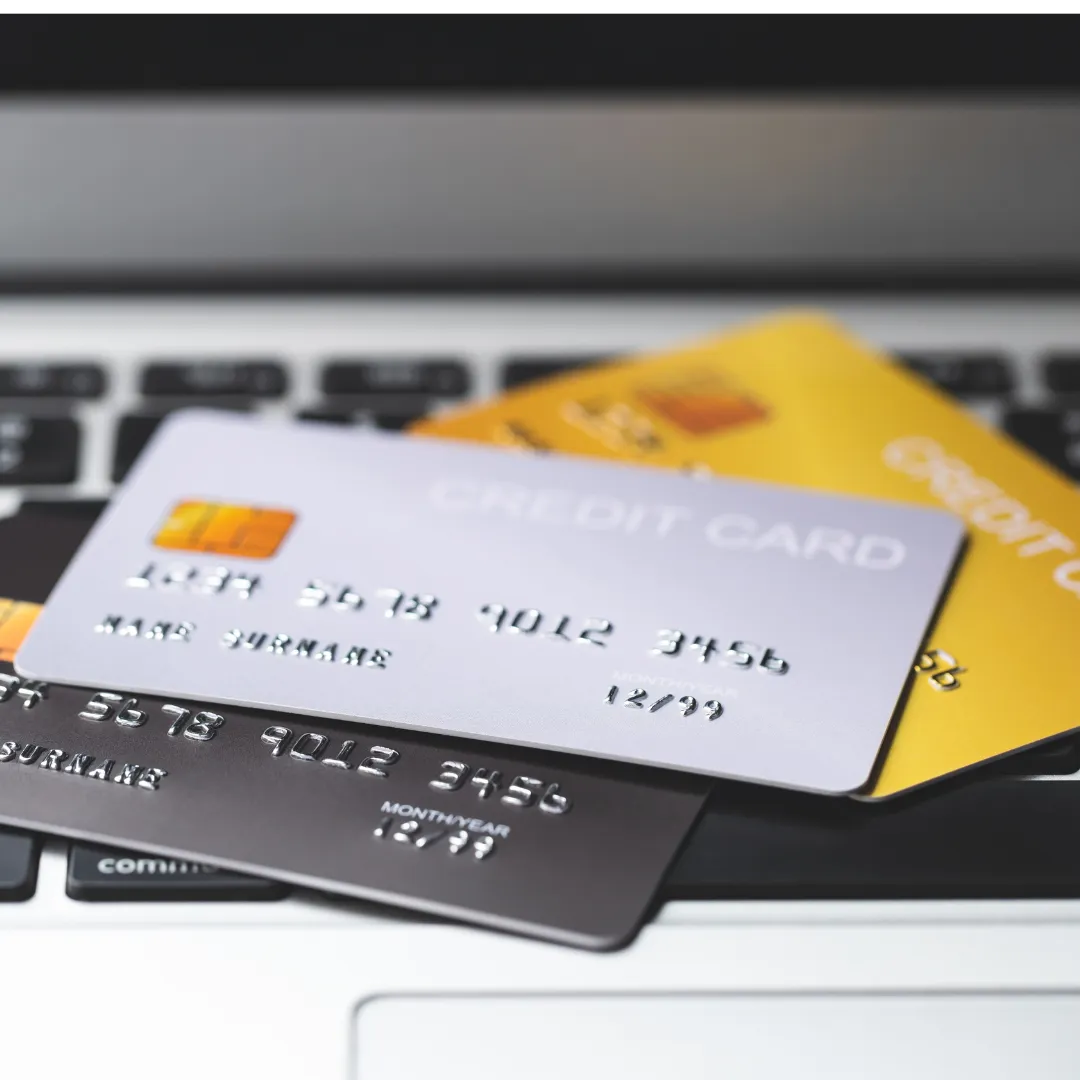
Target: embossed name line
329, 652
438, 817
73, 764
305, 648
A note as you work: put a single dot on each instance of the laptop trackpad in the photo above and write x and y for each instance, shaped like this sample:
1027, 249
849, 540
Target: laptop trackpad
995, 1036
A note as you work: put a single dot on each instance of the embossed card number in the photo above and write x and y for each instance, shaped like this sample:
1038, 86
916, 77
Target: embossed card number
455, 833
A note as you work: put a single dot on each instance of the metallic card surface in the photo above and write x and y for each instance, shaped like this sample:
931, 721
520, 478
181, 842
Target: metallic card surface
562, 850
535, 843
796, 399
725, 628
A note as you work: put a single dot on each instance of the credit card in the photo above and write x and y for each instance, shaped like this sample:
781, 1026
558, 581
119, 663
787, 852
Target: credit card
797, 400
730, 629
570, 851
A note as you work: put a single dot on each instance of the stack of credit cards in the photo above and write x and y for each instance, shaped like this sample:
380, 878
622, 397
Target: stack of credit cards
500, 686
796, 400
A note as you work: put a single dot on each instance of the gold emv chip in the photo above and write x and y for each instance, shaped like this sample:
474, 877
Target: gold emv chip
249, 532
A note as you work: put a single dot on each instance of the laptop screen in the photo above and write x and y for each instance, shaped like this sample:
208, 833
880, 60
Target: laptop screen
496, 56
537, 152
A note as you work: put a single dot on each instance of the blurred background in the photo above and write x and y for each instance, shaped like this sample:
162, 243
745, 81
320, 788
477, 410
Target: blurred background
536, 151
611, 183
713, 167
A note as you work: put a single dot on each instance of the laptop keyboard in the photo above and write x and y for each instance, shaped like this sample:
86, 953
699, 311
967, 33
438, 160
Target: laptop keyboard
753, 844
39, 447
964, 374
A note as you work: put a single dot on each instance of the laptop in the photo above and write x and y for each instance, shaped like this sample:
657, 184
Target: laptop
363, 222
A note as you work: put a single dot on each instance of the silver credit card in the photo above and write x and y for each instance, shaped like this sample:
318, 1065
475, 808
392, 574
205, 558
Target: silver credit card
723, 627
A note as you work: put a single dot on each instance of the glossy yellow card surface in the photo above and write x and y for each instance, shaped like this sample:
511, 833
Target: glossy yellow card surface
16, 618
797, 400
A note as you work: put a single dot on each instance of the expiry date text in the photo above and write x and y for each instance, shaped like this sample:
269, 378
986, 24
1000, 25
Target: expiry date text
641, 699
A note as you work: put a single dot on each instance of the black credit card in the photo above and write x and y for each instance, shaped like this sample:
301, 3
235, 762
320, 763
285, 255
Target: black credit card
536, 843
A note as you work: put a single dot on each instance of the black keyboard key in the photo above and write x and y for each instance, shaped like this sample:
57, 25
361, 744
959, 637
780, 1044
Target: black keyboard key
437, 376
18, 865
963, 374
1060, 757
100, 873
132, 434
981, 838
341, 417
51, 380
399, 419
1053, 434
519, 370
37, 450
208, 378
1062, 372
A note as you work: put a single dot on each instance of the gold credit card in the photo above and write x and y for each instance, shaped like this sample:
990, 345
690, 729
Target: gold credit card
797, 400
